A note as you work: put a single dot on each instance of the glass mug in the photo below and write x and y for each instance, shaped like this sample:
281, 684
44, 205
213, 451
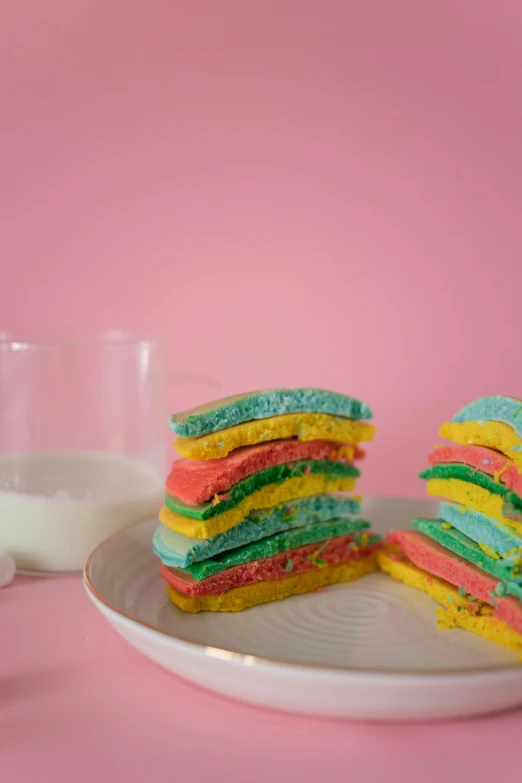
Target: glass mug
83, 442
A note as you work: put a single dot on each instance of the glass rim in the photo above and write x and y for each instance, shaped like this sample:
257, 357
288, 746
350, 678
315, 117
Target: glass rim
22, 340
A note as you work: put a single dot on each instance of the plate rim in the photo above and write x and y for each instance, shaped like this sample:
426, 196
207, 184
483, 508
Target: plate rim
250, 659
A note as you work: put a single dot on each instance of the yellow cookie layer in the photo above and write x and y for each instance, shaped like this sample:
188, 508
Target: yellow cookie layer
493, 434
273, 589
483, 623
472, 496
271, 495
459, 611
304, 426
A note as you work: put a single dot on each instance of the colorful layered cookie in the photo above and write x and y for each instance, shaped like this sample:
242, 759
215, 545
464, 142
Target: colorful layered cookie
488, 532
491, 434
508, 575
181, 551
256, 510
195, 481
460, 475
306, 549
494, 423
475, 546
483, 459
497, 408
240, 598
458, 608
263, 490
304, 426
473, 496
225, 413
290, 539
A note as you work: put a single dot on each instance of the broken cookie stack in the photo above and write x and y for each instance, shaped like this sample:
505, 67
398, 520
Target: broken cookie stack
469, 559
256, 508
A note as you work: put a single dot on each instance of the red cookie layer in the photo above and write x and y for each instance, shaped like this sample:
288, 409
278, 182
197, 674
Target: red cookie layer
484, 459
311, 557
435, 559
195, 481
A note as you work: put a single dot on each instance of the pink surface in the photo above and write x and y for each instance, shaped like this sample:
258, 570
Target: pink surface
79, 704
349, 172
194, 481
336, 551
483, 459
432, 557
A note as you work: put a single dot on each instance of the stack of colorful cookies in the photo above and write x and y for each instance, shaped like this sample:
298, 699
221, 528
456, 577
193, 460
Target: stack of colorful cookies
470, 558
256, 508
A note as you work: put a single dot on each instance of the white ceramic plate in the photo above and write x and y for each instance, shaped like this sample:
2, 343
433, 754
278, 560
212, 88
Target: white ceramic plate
368, 650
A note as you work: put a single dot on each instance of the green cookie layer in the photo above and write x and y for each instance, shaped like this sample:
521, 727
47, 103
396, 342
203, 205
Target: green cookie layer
509, 510
463, 546
474, 476
276, 474
280, 542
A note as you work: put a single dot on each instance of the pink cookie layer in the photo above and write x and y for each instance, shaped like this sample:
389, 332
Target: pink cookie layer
484, 459
437, 560
311, 557
195, 481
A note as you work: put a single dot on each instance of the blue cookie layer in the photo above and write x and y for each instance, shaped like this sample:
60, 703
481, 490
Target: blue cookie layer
225, 413
180, 551
481, 528
497, 408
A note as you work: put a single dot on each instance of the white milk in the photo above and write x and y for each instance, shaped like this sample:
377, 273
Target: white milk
56, 507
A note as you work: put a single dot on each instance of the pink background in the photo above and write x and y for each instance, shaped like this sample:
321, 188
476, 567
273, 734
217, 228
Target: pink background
324, 193
293, 193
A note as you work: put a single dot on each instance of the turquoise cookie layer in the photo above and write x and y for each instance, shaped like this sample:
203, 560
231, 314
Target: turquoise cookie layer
280, 542
463, 546
496, 408
472, 475
276, 474
180, 551
221, 414
481, 528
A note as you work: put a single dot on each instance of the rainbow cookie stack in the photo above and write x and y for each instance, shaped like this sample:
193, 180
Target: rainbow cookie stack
470, 558
256, 508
